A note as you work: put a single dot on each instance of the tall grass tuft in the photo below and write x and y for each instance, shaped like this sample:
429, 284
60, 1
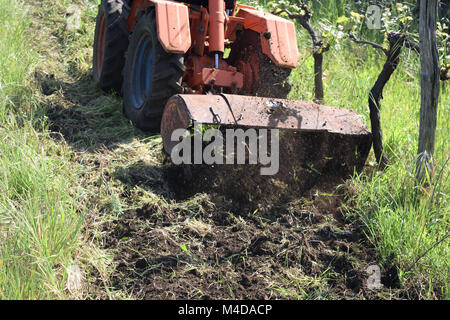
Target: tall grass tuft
15, 56
409, 225
39, 222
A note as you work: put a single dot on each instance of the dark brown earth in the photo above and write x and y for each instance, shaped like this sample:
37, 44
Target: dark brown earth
226, 235
306, 159
302, 249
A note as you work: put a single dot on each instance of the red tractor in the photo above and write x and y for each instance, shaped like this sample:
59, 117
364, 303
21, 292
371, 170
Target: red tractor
210, 61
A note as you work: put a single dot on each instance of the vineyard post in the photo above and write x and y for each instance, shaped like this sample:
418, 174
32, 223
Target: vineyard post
430, 85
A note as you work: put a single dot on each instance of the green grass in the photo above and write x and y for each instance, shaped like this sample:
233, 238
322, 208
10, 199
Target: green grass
15, 57
39, 213
409, 226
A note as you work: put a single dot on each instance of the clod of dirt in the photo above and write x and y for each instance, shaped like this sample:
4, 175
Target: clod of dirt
390, 278
47, 82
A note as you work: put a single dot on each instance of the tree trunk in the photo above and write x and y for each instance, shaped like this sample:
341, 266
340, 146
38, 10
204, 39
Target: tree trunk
318, 77
318, 47
430, 76
376, 94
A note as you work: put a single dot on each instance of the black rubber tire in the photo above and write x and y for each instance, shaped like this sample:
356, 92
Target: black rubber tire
109, 75
273, 80
167, 73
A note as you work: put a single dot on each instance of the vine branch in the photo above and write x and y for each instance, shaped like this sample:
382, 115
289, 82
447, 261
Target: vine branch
318, 46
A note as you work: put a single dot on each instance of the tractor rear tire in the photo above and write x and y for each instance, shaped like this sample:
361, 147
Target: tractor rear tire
273, 81
151, 75
110, 44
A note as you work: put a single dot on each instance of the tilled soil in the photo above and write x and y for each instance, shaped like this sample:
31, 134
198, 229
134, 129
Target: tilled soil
203, 246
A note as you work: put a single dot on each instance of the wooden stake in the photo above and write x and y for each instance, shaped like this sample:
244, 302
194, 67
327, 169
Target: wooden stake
430, 86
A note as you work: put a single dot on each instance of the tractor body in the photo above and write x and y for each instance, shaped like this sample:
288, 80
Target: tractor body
203, 34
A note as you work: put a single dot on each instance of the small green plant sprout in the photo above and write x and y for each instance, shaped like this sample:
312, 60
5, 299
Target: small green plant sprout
185, 249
